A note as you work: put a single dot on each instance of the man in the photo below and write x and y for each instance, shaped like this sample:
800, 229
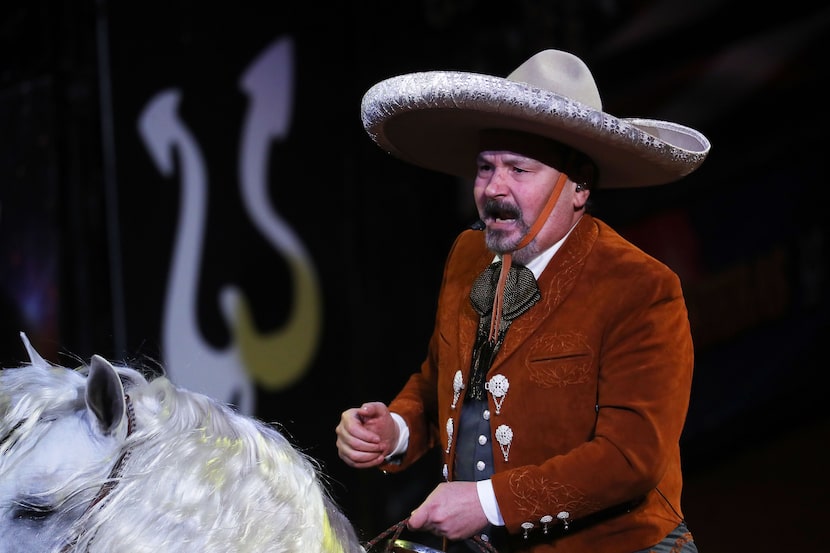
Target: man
558, 374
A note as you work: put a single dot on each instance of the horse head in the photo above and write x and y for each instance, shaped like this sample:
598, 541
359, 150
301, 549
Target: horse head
103, 458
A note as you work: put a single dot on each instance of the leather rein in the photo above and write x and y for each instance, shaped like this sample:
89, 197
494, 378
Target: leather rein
393, 533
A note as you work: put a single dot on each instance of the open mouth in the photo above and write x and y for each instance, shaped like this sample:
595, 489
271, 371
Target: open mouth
501, 225
501, 213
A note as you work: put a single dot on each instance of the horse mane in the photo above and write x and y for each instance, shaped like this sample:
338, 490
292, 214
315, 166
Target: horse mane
197, 476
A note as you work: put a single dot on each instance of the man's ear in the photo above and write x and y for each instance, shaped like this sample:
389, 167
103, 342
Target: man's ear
580, 198
585, 174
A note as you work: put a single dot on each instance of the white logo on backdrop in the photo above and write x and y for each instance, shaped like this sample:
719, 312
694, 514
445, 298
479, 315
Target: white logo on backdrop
272, 360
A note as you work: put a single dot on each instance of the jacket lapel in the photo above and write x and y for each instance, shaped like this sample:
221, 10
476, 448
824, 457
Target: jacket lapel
555, 283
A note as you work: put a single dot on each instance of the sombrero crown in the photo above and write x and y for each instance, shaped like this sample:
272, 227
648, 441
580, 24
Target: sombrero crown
434, 120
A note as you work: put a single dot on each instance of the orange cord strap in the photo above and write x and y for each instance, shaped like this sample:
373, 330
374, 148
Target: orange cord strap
507, 258
498, 297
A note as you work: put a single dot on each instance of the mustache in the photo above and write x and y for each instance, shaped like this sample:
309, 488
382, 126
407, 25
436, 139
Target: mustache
501, 210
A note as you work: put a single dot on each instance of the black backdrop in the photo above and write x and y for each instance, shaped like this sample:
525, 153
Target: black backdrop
87, 221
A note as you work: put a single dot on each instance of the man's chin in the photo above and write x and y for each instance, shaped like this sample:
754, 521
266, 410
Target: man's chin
501, 241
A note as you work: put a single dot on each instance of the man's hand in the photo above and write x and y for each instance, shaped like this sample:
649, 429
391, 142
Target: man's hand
452, 511
366, 435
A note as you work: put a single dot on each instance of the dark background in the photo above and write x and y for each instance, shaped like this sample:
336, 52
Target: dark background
87, 222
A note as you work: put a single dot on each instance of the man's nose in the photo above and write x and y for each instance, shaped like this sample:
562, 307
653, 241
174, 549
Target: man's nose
497, 185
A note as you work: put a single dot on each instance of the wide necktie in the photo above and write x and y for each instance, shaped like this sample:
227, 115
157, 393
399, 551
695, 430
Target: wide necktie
520, 294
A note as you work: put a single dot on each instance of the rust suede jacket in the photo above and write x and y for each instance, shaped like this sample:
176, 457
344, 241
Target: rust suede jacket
599, 373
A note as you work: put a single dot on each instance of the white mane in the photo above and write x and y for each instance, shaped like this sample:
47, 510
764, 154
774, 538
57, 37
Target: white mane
197, 477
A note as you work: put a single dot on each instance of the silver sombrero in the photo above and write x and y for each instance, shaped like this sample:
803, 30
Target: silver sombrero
434, 120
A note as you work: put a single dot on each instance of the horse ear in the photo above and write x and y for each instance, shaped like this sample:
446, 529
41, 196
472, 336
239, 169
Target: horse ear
105, 395
34, 356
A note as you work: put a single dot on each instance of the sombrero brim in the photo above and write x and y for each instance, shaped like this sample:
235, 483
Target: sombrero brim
433, 120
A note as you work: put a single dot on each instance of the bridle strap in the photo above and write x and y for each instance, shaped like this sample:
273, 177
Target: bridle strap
114, 475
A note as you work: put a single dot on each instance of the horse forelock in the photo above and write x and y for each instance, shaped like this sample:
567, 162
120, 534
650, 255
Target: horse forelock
31, 394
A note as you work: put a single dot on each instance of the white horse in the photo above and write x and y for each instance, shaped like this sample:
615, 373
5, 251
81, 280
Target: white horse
102, 459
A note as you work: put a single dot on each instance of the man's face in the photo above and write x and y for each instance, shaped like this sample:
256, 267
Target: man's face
510, 192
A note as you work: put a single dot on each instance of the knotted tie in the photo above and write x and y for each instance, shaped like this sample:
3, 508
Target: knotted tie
520, 293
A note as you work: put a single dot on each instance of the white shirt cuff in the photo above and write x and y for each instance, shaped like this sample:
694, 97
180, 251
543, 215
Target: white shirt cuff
403, 437
487, 498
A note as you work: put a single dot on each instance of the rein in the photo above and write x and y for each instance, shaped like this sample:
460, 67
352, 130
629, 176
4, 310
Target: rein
395, 532
112, 479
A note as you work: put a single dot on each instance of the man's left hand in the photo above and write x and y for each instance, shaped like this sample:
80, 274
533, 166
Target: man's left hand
452, 511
